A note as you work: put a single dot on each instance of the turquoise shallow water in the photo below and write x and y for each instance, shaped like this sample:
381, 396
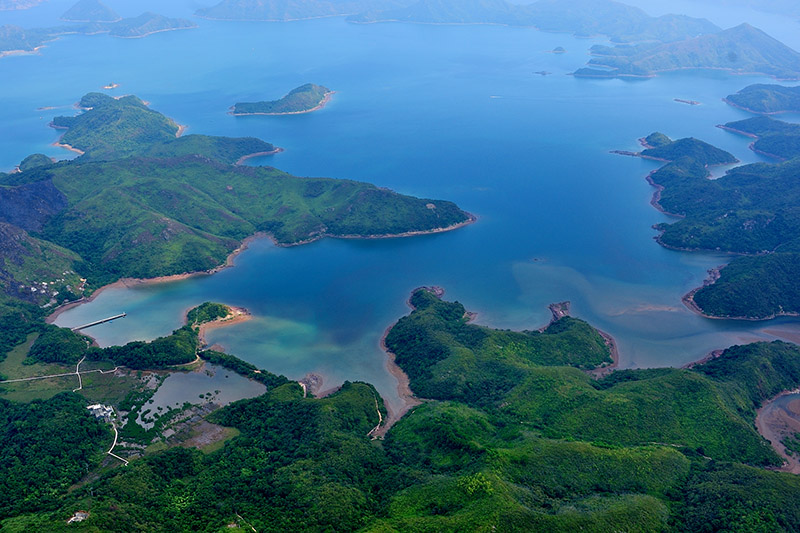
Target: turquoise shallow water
452, 112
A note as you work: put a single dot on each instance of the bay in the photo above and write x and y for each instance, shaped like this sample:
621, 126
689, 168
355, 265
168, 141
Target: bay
452, 112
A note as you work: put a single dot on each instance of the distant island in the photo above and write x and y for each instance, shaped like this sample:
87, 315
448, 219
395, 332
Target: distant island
741, 50
148, 24
767, 99
90, 11
751, 211
304, 99
12, 5
281, 10
92, 18
585, 18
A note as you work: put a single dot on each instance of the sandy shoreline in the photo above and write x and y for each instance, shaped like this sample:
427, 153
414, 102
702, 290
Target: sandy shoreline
237, 316
244, 158
134, 282
774, 425
323, 103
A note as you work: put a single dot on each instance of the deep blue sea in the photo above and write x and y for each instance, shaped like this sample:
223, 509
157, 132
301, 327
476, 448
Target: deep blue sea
447, 112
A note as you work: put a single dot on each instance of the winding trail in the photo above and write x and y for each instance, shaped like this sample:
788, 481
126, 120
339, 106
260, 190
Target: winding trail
374, 431
114, 445
77, 372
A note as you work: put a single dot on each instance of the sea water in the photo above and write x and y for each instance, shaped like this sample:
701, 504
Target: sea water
442, 112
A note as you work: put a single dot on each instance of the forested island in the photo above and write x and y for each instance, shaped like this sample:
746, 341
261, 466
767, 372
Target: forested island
304, 99
767, 99
585, 18
90, 17
750, 211
743, 50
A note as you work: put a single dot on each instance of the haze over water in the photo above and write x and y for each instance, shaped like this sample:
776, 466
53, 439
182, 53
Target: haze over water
447, 112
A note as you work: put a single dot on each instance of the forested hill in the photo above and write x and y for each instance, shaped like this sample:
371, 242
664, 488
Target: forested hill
303, 99
767, 99
274, 10
618, 21
518, 439
742, 50
142, 203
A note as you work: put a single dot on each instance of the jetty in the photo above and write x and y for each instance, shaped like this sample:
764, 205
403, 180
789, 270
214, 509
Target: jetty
98, 322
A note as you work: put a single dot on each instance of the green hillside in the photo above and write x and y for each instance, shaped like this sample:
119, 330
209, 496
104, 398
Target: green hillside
641, 450
742, 50
618, 21
90, 11
767, 99
141, 203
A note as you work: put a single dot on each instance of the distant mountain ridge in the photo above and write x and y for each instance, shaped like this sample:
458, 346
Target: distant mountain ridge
90, 11
620, 22
742, 50
277, 10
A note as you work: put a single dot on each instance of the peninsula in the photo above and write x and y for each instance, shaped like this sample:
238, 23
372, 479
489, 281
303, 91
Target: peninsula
304, 99
90, 11
750, 211
740, 50
767, 99
142, 203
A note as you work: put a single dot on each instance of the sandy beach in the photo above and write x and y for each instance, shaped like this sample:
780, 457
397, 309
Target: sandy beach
237, 316
244, 158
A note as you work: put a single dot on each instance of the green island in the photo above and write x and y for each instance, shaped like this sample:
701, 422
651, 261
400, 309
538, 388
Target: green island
304, 99
585, 18
516, 436
767, 99
284, 10
88, 17
750, 212
742, 50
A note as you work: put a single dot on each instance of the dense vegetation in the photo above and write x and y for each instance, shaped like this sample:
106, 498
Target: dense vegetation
641, 450
46, 447
274, 10
701, 152
300, 100
141, 203
750, 210
163, 352
743, 49
776, 138
767, 99
207, 312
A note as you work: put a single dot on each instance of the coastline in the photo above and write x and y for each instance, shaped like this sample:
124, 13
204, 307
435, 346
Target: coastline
9, 53
153, 32
773, 435
743, 108
135, 282
471, 219
68, 147
237, 316
713, 276
323, 103
244, 158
